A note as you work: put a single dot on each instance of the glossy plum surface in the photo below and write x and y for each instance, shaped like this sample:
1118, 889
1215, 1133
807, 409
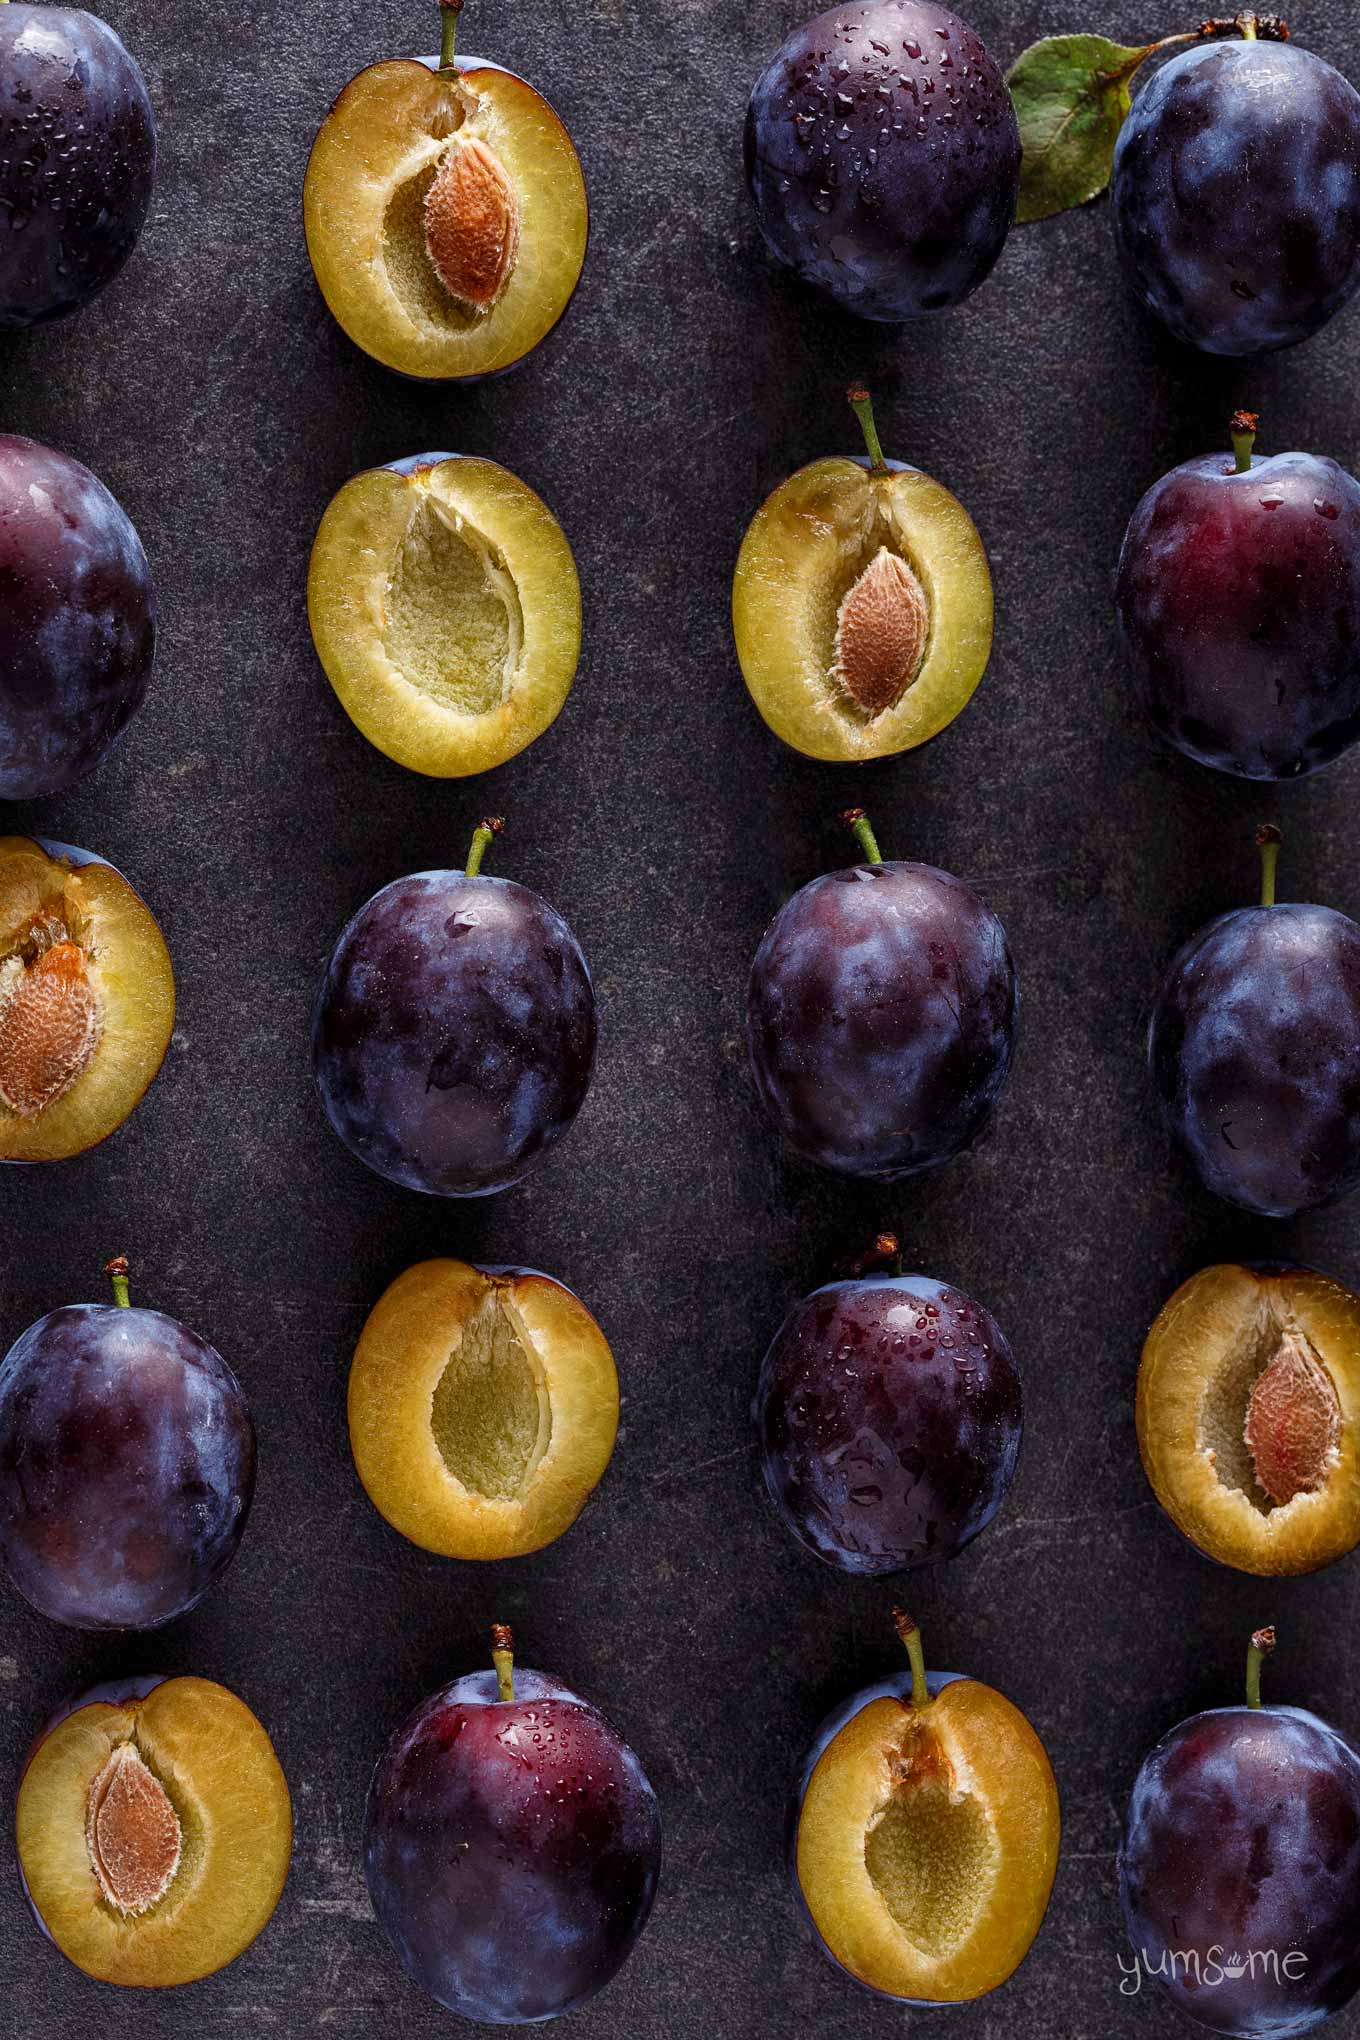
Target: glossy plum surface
1254, 1049
883, 155
454, 1033
77, 159
78, 616
1236, 195
127, 1466
1238, 598
888, 1416
512, 1849
881, 1019
1242, 1845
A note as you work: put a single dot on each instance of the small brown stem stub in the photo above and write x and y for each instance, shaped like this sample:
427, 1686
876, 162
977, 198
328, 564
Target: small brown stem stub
1268, 832
118, 1265
1264, 1640
1244, 421
501, 1636
495, 823
884, 1251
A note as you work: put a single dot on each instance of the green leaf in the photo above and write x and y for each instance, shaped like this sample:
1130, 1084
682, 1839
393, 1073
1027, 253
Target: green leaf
1071, 93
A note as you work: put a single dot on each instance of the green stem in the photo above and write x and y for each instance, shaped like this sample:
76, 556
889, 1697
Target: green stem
911, 1639
117, 1271
503, 1658
483, 834
856, 819
1258, 1650
449, 11
1243, 430
1268, 841
862, 405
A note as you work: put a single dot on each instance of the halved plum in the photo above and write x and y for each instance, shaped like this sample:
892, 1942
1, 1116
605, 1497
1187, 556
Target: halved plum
446, 214
87, 1000
1248, 1407
861, 605
445, 607
483, 1407
154, 1829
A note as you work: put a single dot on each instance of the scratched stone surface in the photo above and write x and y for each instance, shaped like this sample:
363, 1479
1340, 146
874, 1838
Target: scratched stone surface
210, 389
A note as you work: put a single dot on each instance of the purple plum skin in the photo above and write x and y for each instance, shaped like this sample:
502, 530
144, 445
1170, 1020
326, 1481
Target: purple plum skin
454, 1033
1242, 1838
512, 1849
883, 155
888, 1417
1254, 1049
77, 160
881, 1019
78, 616
127, 1466
1238, 599
1236, 195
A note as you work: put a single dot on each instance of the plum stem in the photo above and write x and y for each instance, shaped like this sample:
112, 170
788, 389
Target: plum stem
503, 1658
862, 405
1243, 430
1251, 27
1258, 1650
857, 821
886, 1252
910, 1637
117, 1272
483, 834
1268, 841
449, 11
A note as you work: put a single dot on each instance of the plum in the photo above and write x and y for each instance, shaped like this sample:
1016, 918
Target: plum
888, 1419
77, 160
1235, 194
78, 615
127, 1464
454, 1032
1239, 1874
883, 155
1254, 1049
881, 1016
1238, 597
512, 1845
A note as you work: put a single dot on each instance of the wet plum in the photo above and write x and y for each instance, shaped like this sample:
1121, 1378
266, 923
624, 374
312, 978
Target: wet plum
888, 1418
1254, 1049
77, 159
1236, 195
454, 1032
78, 616
127, 1465
1241, 1860
1238, 596
883, 155
512, 1846
881, 1017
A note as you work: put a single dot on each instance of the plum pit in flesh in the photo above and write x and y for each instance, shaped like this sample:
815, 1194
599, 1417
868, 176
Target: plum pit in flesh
132, 1832
49, 1017
1271, 1419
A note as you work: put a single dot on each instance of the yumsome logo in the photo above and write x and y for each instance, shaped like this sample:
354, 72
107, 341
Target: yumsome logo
1196, 1971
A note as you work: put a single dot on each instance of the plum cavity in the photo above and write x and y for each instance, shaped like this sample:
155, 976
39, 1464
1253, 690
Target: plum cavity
454, 625
491, 1416
1270, 1419
932, 1853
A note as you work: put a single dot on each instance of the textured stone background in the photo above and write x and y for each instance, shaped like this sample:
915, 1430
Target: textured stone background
210, 389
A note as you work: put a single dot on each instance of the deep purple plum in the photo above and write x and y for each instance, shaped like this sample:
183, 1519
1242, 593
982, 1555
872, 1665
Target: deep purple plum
454, 1032
1238, 596
77, 159
883, 155
881, 1017
888, 1417
1239, 1873
78, 616
1236, 195
1254, 1049
512, 1846
127, 1466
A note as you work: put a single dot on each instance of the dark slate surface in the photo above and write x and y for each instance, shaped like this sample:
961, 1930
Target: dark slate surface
211, 391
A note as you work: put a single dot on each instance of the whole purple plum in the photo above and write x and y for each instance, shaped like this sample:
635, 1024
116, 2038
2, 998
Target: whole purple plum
881, 1017
512, 1846
1236, 195
127, 1465
1239, 1874
77, 160
1238, 596
883, 155
888, 1417
78, 616
454, 1032
1254, 1049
